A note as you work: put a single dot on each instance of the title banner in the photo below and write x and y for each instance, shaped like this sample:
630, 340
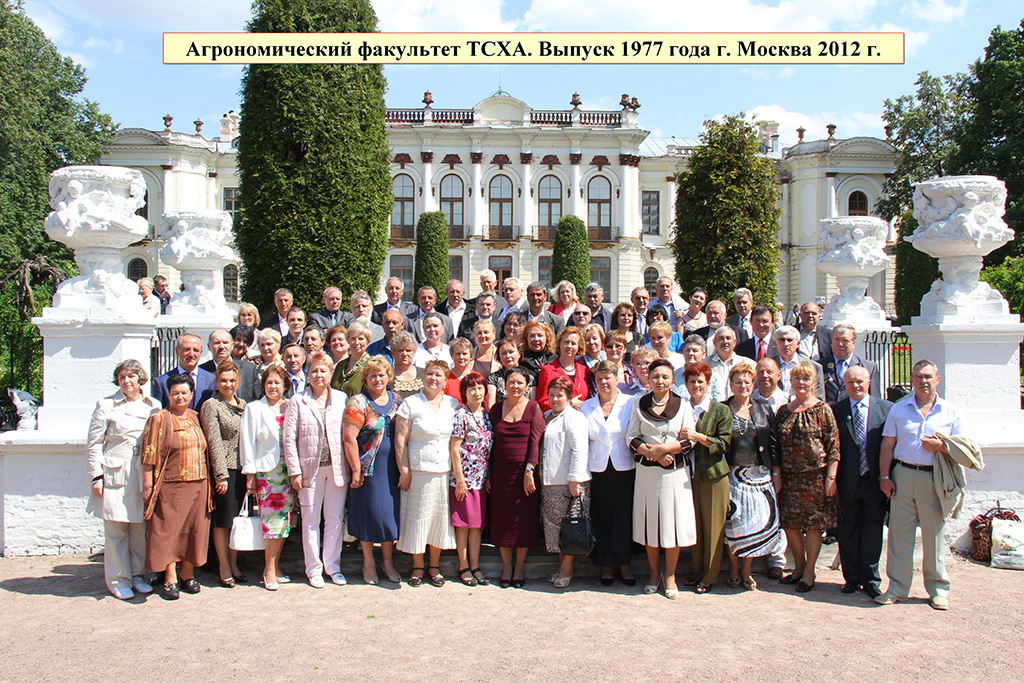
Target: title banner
533, 48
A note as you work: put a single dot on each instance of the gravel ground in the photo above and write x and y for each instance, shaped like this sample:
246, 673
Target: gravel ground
60, 624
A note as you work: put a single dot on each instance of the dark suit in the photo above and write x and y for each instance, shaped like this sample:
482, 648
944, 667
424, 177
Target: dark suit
466, 326
271, 320
819, 374
603, 317
206, 384
499, 304
407, 309
862, 504
415, 326
249, 388
325, 320
748, 347
734, 322
835, 388
555, 322
706, 332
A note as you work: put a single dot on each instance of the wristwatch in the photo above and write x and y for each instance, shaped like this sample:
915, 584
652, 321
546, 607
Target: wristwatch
883, 478
529, 469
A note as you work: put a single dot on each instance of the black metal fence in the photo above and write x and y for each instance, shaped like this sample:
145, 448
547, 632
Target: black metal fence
164, 355
892, 351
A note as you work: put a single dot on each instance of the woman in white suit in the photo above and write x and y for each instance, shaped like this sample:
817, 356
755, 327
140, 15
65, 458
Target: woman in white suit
317, 466
612, 471
116, 474
259, 453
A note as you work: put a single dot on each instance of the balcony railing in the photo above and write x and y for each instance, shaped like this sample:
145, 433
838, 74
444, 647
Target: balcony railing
452, 115
403, 116
604, 233
600, 118
458, 232
551, 118
403, 232
504, 233
545, 233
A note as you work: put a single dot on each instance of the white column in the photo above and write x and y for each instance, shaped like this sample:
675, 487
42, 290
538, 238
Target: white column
832, 210
575, 202
170, 200
527, 202
477, 207
211, 192
429, 201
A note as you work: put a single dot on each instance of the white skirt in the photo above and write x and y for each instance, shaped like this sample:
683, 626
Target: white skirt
424, 518
663, 508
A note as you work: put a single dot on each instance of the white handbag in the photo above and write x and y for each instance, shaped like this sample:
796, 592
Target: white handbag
246, 531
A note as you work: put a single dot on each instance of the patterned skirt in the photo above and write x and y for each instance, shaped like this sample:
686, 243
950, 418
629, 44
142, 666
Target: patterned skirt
554, 504
802, 501
752, 524
277, 501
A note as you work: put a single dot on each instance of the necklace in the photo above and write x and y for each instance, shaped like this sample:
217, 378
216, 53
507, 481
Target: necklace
659, 404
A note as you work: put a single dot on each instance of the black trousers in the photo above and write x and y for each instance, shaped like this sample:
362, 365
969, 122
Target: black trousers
860, 533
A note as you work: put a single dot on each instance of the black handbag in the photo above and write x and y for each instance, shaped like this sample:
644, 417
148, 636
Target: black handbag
575, 536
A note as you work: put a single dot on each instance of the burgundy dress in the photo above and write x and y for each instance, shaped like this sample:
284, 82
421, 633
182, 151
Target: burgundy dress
515, 517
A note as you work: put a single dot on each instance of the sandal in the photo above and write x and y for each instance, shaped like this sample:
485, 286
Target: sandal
227, 583
416, 581
733, 582
750, 584
804, 587
471, 581
790, 579
703, 588
480, 578
435, 579
240, 579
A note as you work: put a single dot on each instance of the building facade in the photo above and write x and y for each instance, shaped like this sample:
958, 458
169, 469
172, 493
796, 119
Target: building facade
504, 174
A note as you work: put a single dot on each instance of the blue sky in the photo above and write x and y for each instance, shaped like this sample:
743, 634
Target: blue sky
120, 44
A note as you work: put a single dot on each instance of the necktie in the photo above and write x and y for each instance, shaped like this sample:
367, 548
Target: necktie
860, 433
760, 349
295, 385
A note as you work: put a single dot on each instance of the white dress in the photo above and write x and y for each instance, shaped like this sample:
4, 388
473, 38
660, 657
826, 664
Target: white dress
424, 517
663, 513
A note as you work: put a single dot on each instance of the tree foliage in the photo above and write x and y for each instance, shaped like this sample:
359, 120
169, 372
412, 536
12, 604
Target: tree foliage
313, 162
570, 258
432, 253
43, 126
923, 126
991, 141
1008, 278
726, 215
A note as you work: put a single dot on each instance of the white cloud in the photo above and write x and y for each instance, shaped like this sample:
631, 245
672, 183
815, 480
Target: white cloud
52, 24
936, 10
912, 40
115, 46
848, 125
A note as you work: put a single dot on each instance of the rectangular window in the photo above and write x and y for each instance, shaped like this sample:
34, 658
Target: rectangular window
455, 267
601, 273
231, 202
544, 270
401, 267
651, 212
502, 267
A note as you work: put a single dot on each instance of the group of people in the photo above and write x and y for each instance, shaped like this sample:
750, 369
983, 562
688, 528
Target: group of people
418, 427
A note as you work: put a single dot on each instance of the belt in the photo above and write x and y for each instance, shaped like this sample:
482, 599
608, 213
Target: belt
920, 468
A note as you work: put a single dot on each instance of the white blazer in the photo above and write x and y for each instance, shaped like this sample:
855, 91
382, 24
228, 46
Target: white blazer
259, 438
608, 436
563, 454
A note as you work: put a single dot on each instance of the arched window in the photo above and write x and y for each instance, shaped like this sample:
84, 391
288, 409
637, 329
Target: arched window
402, 224
599, 208
137, 269
550, 206
231, 283
857, 204
651, 281
499, 198
451, 205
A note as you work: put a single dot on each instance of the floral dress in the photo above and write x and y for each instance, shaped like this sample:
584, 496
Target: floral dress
474, 456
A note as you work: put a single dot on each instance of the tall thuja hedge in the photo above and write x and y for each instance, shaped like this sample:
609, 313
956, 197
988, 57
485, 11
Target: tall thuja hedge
571, 257
431, 253
312, 162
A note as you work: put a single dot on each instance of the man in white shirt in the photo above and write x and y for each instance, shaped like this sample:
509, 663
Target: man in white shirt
716, 314
787, 340
640, 297
723, 359
455, 305
767, 377
906, 463
759, 344
743, 302
515, 300
815, 338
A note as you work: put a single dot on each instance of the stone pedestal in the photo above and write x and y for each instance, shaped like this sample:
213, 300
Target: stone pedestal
199, 245
80, 357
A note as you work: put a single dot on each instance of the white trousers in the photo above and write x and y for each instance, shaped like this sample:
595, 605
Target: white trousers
322, 494
124, 552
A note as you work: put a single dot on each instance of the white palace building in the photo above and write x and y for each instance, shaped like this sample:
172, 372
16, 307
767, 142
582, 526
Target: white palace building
504, 173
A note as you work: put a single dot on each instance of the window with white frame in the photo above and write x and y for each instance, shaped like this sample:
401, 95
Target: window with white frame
650, 211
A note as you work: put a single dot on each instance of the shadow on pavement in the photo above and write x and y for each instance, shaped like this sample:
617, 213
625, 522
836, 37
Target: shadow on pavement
66, 580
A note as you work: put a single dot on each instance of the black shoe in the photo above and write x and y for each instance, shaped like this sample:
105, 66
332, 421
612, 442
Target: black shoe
849, 588
607, 580
872, 591
505, 583
518, 583
190, 586
168, 591
480, 578
631, 581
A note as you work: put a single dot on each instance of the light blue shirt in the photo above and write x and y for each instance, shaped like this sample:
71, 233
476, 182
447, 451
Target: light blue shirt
906, 423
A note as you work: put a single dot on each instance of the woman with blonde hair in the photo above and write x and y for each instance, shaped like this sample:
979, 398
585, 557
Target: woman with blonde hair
319, 471
565, 300
485, 360
269, 342
249, 316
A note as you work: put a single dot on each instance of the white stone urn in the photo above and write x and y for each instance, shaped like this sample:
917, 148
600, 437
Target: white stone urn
960, 220
853, 251
94, 214
199, 244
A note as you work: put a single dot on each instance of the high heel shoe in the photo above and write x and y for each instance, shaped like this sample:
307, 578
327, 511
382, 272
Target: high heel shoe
651, 589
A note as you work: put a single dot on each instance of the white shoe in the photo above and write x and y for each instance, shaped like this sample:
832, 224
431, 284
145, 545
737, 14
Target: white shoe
339, 579
315, 581
284, 578
122, 592
140, 585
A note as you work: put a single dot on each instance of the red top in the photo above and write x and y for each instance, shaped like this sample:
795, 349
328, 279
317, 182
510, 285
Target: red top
554, 369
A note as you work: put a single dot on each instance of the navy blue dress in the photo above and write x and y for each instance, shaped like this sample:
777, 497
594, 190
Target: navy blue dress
373, 507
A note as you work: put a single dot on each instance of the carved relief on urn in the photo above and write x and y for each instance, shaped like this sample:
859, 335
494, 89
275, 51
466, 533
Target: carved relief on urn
94, 214
960, 220
199, 244
853, 251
